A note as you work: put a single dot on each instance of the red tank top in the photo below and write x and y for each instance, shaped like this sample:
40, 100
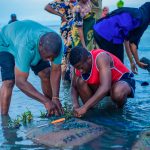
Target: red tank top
117, 70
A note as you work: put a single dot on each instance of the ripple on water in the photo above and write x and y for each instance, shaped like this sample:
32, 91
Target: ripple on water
121, 125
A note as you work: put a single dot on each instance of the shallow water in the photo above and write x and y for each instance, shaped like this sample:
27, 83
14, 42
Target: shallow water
122, 126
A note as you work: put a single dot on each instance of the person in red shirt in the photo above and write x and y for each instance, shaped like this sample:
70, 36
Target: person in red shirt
97, 74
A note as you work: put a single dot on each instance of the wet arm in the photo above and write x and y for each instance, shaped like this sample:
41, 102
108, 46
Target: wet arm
55, 78
26, 87
130, 56
103, 64
128, 51
134, 51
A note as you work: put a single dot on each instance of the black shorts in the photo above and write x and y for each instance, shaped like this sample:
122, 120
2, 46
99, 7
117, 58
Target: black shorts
7, 64
115, 49
128, 78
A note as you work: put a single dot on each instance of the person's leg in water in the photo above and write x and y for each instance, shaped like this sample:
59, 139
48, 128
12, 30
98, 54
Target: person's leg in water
8, 80
119, 92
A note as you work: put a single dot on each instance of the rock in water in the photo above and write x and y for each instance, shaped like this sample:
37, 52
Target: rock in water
146, 61
144, 83
71, 133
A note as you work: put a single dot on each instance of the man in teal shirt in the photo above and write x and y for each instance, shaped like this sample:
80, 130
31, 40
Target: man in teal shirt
24, 45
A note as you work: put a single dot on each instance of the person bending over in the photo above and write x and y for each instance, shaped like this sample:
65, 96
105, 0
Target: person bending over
24, 45
124, 24
97, 74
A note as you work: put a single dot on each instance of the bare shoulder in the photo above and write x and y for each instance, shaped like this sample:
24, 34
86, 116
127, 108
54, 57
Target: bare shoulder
103, 58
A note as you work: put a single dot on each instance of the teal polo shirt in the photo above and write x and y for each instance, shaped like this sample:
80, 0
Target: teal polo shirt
21, 39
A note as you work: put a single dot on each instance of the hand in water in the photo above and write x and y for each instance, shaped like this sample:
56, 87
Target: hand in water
51, 108
79, 112
134, 68
56, 101
75, 106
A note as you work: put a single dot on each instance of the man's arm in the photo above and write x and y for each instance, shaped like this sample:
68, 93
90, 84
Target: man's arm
103, 65
25, 86
74, 92
129, 54
53, 11
55, 78
133, 48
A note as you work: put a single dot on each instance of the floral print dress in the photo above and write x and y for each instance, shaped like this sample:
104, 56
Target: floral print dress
85, 18
65, 8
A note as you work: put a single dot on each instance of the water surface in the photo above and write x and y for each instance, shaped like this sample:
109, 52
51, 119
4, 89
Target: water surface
122, 126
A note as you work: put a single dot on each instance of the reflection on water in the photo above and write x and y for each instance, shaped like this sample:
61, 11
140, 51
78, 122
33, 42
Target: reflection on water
122, 126
12, 138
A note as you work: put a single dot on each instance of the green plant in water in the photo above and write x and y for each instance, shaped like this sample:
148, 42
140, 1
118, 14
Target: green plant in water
15, 123
26, 117
43, 114
29, 116
68, 112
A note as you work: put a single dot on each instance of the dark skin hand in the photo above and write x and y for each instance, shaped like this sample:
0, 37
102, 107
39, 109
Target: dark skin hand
103, 65
25, 86
59, 106
129, 54
55, 77
79, 112
51, 108
133, 48
77, 109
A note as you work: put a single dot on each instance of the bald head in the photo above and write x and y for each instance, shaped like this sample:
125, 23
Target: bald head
50, 44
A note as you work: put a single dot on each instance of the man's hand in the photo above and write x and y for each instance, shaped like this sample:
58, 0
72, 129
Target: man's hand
142, 65
56, 101
134, 68
79, 112
51, 108
75, 106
